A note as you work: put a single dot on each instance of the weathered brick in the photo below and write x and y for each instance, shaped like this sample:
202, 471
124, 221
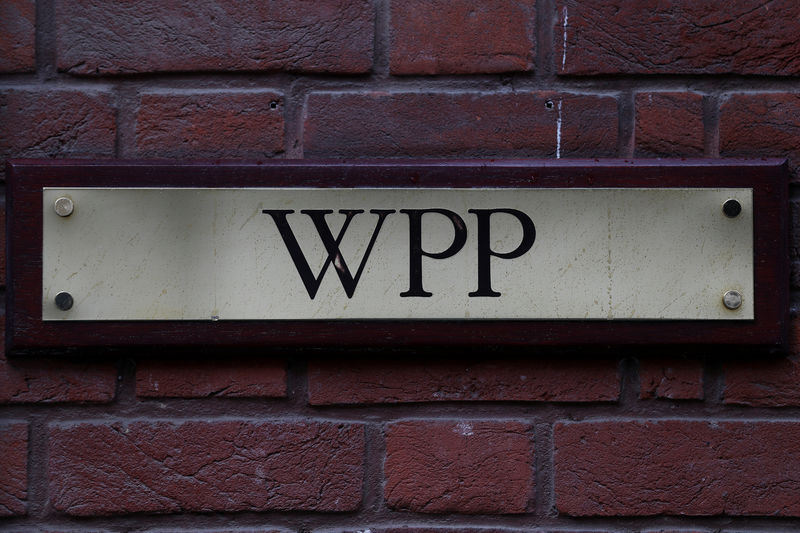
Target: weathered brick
218, 530
460, 125
55, 381
209, 124
196, 379
163, 467
409, 380
794, 242
675, 531
770, 383
669, 124
157, 36
677, 37
671, 378
56, 123
38, 380
766, 382
67, 529
13, 468
3, 257
677, 467
17, 36
462, 36
759, 125
464, 467
437, 529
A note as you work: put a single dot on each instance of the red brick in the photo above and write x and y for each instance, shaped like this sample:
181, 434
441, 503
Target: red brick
57, 123
467, 529
218, 530
794, 242
677, 467
157, 36
459, 125
197, 379
38, 380
209, 124
163, 467
761, 125
677, 37
435, 529
2, 240
462, 36
13, 469
399, 381
17, 36
669, 124
55, 381
763, 383
63, 530
676, 531
671, 378
464, 467
766, 381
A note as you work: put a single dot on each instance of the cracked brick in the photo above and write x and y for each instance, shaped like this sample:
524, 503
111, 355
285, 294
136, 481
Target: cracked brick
217, 530
672, 378
415, 380
439, 36
766, 382
464, 529
157, 36
677, 37
459, 466
56, 123
201, 466
238, 377
41, 380
761, 125
677, 467
543, 124
669, 124
13, 469
17, 36
676, 531
234, 124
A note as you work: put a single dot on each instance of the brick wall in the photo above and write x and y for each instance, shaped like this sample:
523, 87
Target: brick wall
397, 441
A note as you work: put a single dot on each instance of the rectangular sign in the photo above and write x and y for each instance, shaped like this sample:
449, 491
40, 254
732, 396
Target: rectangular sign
380, 253
396, 253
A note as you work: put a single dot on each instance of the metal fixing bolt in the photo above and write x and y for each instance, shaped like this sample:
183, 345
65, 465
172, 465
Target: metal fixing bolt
731, 208
64, 301
64, 206
732, 300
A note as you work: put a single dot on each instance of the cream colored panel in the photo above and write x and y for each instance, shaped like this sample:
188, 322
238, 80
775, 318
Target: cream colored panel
208, 254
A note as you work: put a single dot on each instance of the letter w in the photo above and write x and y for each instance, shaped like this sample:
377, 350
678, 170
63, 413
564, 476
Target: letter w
349, 282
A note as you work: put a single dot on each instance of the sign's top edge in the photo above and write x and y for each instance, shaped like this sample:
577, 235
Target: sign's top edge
470, 190
408, 163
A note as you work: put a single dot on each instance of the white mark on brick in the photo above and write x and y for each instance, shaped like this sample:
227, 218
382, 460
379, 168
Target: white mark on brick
558, 132
464, 428
564, 51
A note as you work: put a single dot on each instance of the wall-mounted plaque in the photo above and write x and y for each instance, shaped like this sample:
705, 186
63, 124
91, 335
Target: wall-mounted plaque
396, 252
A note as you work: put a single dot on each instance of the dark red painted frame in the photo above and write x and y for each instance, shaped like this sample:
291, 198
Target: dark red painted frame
26, 178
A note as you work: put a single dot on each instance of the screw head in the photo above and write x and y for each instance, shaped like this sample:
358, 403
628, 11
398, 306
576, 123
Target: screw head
732, 300
63, 206
64, 301
732, 208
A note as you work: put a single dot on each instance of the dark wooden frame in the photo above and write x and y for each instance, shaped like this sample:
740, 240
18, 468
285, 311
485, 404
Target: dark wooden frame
26, 178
